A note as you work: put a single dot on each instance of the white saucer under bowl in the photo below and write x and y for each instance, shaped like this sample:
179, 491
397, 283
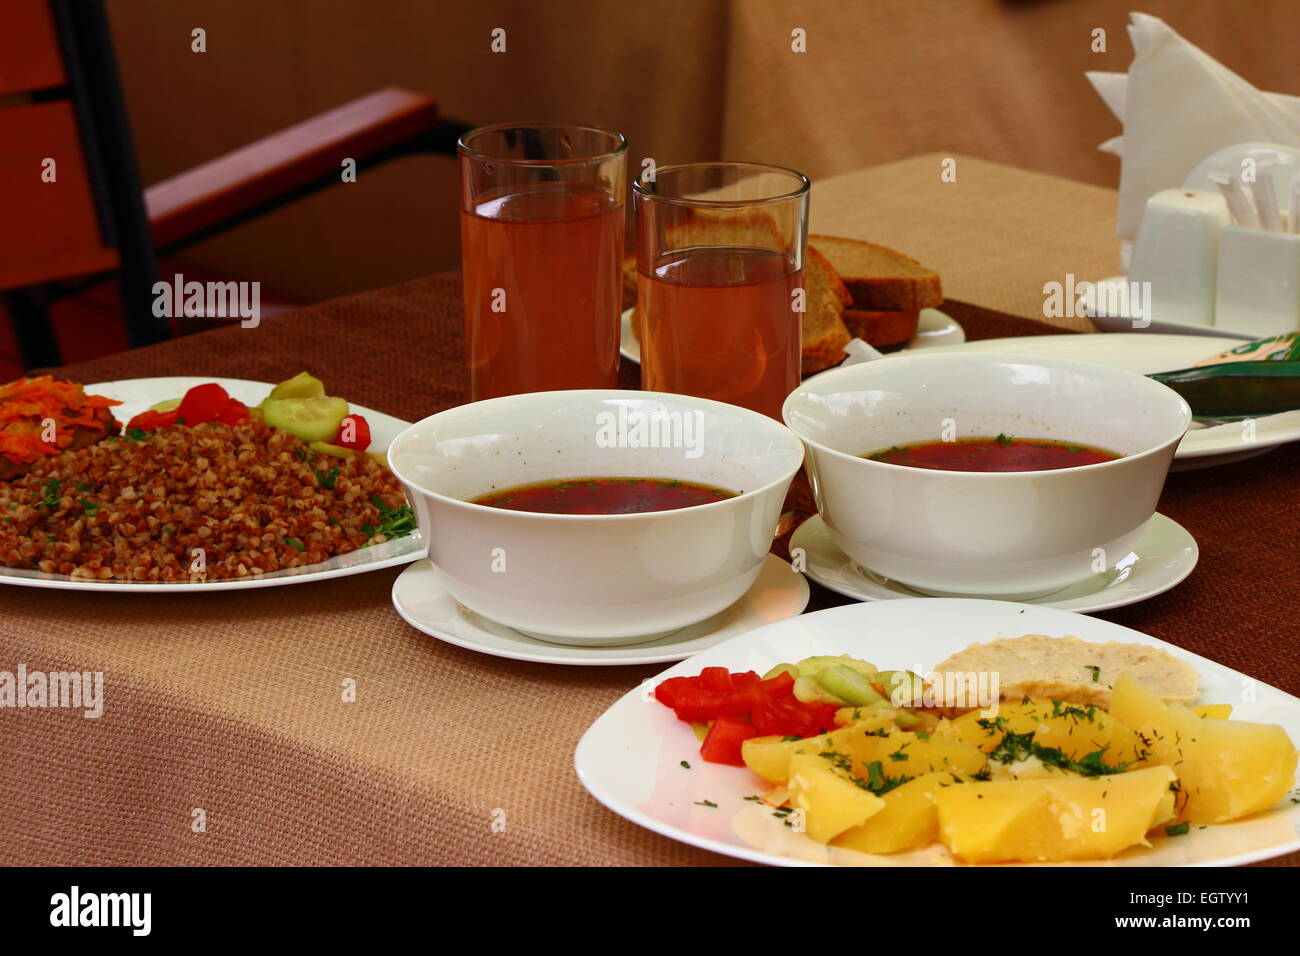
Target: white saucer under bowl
933, 329
778, 593
1164, 556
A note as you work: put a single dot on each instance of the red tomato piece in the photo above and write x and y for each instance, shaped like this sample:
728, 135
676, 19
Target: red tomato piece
202, 403
234, 412
722, 745
149, 421
715, 678
696, 704
667, 693
354, 433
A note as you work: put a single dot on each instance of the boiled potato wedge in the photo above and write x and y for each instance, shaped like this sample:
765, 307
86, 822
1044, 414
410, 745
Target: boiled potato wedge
1226, 768
830, 801
901, 753
1076, 731
769, 757
1065, 818
908, 820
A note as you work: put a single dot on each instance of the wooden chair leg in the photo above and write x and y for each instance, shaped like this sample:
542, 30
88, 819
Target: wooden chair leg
29, 317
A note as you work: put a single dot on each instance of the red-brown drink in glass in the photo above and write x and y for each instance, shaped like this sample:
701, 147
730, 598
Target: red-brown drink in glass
719, 322
542, 283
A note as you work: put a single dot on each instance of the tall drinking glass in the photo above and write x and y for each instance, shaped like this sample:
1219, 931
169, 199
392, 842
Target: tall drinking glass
720, 252
541, 234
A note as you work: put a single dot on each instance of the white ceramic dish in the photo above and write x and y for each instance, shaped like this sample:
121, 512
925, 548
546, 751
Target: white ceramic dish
1163, 557
996, 534
596, 579
779, 592
1114, 288
138, 395
933, 328
630, 758
1135, 352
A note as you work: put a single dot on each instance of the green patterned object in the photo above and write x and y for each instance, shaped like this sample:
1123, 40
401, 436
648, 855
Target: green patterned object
1255, 378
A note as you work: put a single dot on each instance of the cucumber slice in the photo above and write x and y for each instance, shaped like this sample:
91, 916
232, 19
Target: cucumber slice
311, 419
166, 405
903, 718
301, 385
848, 685
334, 451
902, 688
811, 665
807, 690
782, 669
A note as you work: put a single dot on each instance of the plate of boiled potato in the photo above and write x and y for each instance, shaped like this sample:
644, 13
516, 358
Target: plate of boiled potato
1020, 735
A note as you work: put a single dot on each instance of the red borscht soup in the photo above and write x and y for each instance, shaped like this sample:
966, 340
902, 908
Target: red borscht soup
994, 454
604, 496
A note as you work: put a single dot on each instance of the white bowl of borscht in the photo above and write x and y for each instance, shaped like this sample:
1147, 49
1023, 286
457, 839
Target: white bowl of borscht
992, 475
597, 517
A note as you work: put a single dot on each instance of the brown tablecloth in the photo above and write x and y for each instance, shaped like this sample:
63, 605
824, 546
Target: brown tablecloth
230, 703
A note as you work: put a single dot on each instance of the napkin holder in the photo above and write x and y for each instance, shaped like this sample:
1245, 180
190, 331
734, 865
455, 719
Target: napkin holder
1258, 283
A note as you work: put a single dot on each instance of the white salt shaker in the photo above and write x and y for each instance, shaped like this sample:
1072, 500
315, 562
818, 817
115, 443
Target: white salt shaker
1177, 251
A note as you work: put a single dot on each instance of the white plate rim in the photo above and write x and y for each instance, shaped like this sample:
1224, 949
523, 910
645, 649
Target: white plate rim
662, 651
1083, 604
1101, 629
389, 554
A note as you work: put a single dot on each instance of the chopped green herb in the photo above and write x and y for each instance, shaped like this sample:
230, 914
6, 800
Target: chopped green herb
1096, 673
393, 522
51, 488
83, 486
326, 478
1178, 829
685, 765
706, 803
135, 434
90, 507
1003, 439
295, 543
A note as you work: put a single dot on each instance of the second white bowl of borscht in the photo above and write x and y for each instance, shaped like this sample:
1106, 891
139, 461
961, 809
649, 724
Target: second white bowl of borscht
993, 475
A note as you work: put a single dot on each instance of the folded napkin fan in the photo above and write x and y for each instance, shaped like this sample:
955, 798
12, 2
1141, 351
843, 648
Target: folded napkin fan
1178, 105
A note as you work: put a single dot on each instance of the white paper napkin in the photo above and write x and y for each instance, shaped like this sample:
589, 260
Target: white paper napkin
1178, 105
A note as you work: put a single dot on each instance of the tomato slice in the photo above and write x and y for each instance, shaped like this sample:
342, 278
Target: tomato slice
354, 433
234, 412
202, 403
715, 678
695, 704
723, 742
151, 420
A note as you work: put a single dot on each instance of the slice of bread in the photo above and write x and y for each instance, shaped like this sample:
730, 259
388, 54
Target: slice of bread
880, 279
824, 332
881, 329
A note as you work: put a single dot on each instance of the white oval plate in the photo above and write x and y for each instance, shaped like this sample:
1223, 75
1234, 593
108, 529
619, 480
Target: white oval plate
138, 395
630, 758
1162, 559
778, 593
933, 328
1142, 353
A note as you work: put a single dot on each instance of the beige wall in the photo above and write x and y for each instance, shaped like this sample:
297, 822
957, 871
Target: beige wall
270, 63
683, 79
